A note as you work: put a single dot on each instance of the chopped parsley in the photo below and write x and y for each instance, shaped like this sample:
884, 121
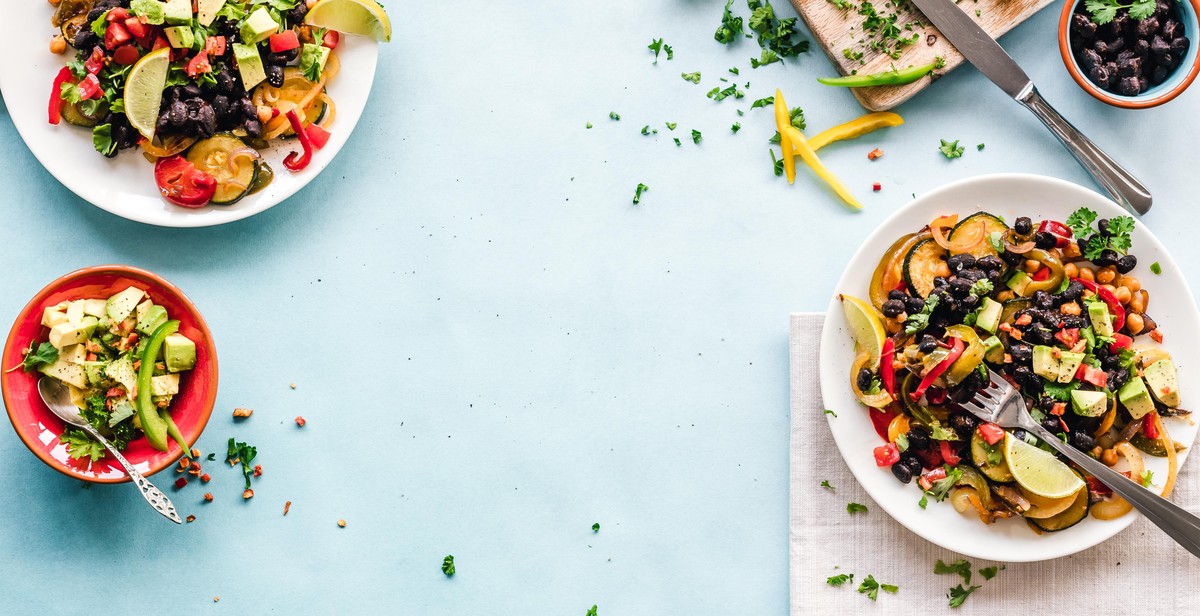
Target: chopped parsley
734, 70
671, 125
871, 588
941, 488
958, 594
43, 355
982, 287
961, 567
612, 115
1147, 478
241, 452
842, 4
1080, 221
677, 142
646, 130
990, 572
1104, 11
658, 46
80, 444
856, 508
596, 527
696, 136
777, 37
924, 502
766, 57
448, 565
692, 77
830, 412
763, 102
718, 94
839, 579
637, 192
777, 164
730, 28
950, 149
917, 322
736, 127
979, 148
589, 125
886, 34
828, 486
592, 611
1156, 268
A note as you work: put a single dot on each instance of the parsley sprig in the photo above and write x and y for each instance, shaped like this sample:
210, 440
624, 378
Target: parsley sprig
243, 453
871, 587
43, 354
1104, 11
950, 149
1117, 235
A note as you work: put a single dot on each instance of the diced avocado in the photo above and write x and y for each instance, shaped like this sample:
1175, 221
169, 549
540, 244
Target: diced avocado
1101, 321
121, 410
206, 11
121, 305
65, 334
1068, 365
95, 373
71, 374
141, 309
179, 353
988, 318
94, 307
1089, 403
1018, 282
258, 27
152, 12
1163, 381
993, 350
1045, 364
74, 354
52, 316
122, 372
1136, 399
180, 37
177, 12
250, 65
313, 55
165, 385
155, 316
74, 311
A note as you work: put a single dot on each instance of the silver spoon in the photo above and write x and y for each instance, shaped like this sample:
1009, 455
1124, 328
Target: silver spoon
56, 396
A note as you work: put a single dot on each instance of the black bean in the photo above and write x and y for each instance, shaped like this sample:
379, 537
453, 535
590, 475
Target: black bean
927, 344
864, 378
1107, 257
1159, 46
1042, 299
249, 111
1072, 293
918, 439
275, 75
1141, 47
1117, 378
960, 286
191, 90
1084, 27
178, 114
990, 263
1126, 264
1038, 335
902, 472
913, 305
1129, 86
892, 307
1146, 27
1074, 321
1045, 240
1131, 67
225, 81
1112, 362
1054, 319
958, 262
963, 423
1179, 45
1051, 424
253, 128
896, 294
1159, 75
973, 274
1021, 352
1168, 60
207, 120
1170, 29
220, 104
1100, 76
938, 281
1120, 24
296, 15
913, 463
1082, 440
1023, 225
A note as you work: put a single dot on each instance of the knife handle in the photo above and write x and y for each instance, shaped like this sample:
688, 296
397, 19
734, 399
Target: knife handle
1124, 188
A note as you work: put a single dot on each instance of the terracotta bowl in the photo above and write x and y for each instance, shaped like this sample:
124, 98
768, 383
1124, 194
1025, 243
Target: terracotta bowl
39, 429
1173, 86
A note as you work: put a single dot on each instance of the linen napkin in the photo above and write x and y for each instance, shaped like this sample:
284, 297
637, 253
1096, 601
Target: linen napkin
1140, 570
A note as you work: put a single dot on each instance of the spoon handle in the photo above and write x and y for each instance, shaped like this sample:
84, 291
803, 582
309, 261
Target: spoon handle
153, 495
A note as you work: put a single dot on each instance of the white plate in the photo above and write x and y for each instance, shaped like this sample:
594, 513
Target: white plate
1010, 196
125, 185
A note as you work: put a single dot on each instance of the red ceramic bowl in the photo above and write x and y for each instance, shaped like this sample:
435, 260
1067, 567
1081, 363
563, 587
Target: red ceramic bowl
39, 428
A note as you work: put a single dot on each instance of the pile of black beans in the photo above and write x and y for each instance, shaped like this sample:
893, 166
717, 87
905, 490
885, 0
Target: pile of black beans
1128, 56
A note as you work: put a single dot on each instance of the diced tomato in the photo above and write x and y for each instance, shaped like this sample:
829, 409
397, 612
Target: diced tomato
284, 41
1058, 409
1041, 274
198, 65
215, 45
331, 40
116, 35
991, 433
1090, 374
95, 62
160, 42
1061, 232
1095, 486
89, 88
948, 453
126, 55
880, 420
1068, 336
1120, 343
1150, 426
319, 137
930, 476
117, 14
181, 183
136, 28
887, 455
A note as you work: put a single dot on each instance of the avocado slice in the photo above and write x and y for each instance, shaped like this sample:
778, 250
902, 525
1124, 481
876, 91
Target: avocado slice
121, 305
66, 334
988, 318
1045, 364
71, 374
1134, 396
179, 353
1089, 403
1163, 382
1068, 365
1101, 320
250, 65
180, 37
151, 319
206, 11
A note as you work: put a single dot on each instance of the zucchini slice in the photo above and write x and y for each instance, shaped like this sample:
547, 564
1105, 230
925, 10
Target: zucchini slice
921, 266
228, 159
979, 455
991, 224
1072, 516
72, 26
76, 117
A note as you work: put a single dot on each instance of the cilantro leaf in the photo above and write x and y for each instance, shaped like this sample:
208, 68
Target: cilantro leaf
990, 572
1060, 391
637, 192
958, 594
670, 51
692, 77
981, 287
696, 136
856, 508
839, 579
917, 322
730, 27
736, 127
79, 445
612, 115
871, 587
961, 567
1103, 11
941, 488
1141, 9
950, 149
1156, 268
828, 486
655, 46
763, 102
44, 355
831, 412
777, 164
766, 57
1080, 221
1146, 478
448, 565
243, 453
923, 503
592, 611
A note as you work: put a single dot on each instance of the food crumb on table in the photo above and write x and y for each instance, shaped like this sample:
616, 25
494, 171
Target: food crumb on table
287, 506
342, 523
248, 494
292, 385
216, 599
300, 421
190, 519
208, 497
242, 412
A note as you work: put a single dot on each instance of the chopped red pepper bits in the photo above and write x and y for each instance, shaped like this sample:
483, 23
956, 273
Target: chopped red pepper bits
258, 470
287, 506
873, 154
300, 421
190, 519
206, 478
208, 497
179, 483
876, 187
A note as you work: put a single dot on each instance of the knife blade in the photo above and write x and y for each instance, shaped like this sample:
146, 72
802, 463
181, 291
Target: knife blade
980, 49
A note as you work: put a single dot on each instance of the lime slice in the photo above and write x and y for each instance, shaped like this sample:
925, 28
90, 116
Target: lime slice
144, 90
866, 327
1037, 471
361, 17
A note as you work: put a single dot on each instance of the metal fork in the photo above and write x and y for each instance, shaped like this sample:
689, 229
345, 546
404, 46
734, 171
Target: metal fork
1003, 405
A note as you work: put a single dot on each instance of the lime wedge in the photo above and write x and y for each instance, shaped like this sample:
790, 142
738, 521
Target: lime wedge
1037, 471
144, 90
361, 17
866, 327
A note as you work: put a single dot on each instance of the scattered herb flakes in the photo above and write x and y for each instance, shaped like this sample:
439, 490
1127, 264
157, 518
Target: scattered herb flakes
1156, 268
592, 611
839, 579
924, 502
961, 567
596, 527
671, 125
736, 127
797, 119
646, 129
43, 355
979, 147
828, 486
730, 28
990, 572
719, 94
856, 508
766, 57
244, 454
658, 46
637, 193
778, 38
950, 149
670, 51
1147, 478
212, 457
776, 163
870, 587
958, 594
448, 565
692, 77
612, 115
678, 143
740, 113
734, 70
589, 125
842, 4
763, 102
831, 412
696, 136
885, 34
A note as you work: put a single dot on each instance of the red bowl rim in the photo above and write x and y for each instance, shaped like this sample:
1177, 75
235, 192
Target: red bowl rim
1064, 48
210, 397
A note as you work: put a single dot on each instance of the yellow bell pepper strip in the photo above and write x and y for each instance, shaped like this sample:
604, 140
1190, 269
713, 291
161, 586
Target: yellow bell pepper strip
783, 121
855, 128
806, 152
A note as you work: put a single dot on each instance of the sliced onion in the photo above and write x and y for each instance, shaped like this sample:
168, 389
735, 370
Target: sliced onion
1172, 462
1019, 249
330, 111
1115, 507
170, 146
964, 240
936, 228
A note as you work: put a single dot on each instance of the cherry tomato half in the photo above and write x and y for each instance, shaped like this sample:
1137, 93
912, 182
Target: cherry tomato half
181, 183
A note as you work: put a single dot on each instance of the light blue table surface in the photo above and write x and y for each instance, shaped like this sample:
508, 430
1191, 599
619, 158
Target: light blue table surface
493, 348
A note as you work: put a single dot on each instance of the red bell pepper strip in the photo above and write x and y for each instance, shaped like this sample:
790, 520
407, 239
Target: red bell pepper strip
319, 137
991, 433
1106, 296
1062, 233
886, 454
886, 358
881, 419
955, 351
1042, 274
56, 101
948, 453
1150, 426
294, 161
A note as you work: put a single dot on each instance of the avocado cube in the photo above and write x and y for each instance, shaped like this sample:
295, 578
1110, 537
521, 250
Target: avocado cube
1136, 399
988, 317
122, 409
1018, 282
65, 334
94, 307
52, 316
164, 385
74, 354
74, 311
121, 305
313, 55
1163, 382
258, 27
1101, 320
1045, 364
95, 373
180, 37
179, 353
993, 349
1089, 403
153, 317
122, 372
250, 65
151, 12
177, 12
71, 374
1068, 365
206, 11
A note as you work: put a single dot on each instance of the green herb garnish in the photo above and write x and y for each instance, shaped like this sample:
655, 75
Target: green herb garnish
961, 567
958, 594
692, 77
828, 486
637, 192
950, 149
839, 579
856, 508
448, 565
1156, 268
243, 453
43, 355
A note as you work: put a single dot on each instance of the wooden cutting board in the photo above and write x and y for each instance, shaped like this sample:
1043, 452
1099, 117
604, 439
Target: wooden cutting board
836, 30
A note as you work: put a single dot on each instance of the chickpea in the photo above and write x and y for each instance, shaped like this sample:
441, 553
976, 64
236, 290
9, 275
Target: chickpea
1004, 296
1106, 275
1109, 288
58, 45
1135, 323
1032, 265
1123, 295
1129, 282
1086, 273
1145, 300
1071, 308
1070, 270
1136, 304
55, 2
1109, 457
